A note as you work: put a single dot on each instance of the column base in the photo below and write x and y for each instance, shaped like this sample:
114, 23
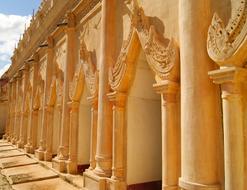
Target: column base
169, 187
5, 137
71, 167
59, 165
39, 154
9, 138
13, 141
29, 149
20, 144
186, 185
94, 182
116, 184
47, 156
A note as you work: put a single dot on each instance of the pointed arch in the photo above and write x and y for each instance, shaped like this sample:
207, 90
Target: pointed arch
162, 54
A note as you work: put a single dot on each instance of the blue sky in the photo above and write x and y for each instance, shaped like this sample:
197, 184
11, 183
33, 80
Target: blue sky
14, 14
18, 7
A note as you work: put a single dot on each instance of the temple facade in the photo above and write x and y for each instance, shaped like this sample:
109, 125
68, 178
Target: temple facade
133, 94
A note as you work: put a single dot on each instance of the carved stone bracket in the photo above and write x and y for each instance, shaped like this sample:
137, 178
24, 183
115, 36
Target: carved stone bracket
228, 43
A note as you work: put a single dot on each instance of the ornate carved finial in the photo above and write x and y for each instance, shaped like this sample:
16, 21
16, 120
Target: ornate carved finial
227, 43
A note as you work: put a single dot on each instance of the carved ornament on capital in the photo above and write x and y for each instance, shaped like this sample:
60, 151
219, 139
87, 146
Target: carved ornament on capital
228, 43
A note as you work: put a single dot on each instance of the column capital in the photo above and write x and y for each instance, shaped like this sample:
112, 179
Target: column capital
49, 109
228, 75
73, 105
166, 87
117, 98
93, 100
230, 79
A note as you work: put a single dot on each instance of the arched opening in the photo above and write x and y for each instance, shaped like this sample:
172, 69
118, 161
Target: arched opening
143, 114
39, 126
56, 128
84, 132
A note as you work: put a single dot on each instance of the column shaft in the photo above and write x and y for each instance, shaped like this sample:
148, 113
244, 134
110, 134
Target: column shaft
170, 110
233, 140
119, 143
73, 138
23, 126
104, 129
93, 139
49, 133
200, 101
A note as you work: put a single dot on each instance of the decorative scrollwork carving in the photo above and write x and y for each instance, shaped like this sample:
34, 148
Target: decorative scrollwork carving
37, 99
53, 94
42, 69
76, 87
89, 68
226, 42
162, 54
122, 70
27, 102
60, 56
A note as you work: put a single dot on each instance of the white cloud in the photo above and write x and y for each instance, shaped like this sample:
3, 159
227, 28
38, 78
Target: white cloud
3, 69
11, 27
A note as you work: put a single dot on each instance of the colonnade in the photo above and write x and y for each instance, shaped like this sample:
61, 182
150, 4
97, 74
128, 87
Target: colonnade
192, 139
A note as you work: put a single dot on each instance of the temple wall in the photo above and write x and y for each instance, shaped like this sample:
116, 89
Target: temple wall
143, 128
84, 129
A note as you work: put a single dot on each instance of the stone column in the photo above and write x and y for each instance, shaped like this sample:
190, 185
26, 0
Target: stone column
200, 101
49, 133
17, 110
7, 128
93, 139
23, 125
231, 81
170, 110
104, 130
73, 137
63, 154
12, 110
119, 135
39, 153
33, 117
8, 125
